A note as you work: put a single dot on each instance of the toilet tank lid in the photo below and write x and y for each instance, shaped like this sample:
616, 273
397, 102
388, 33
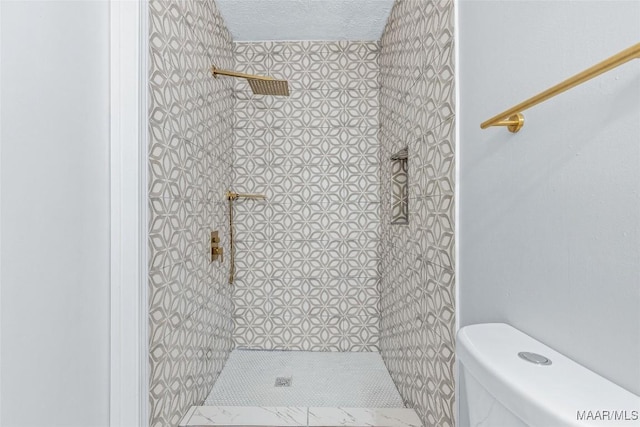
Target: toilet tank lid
563, 393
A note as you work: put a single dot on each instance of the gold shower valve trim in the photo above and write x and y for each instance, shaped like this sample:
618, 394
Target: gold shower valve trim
216, 250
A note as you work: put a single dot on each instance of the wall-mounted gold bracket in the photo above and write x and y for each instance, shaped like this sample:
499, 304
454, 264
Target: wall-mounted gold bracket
216, 250
513, 123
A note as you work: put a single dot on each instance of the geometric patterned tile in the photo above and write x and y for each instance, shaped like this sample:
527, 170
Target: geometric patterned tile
307, 258
190, 159
417, 279
311, 274
400, 193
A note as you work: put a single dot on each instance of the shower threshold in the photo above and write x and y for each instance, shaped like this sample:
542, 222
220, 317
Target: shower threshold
204, 416
299, 388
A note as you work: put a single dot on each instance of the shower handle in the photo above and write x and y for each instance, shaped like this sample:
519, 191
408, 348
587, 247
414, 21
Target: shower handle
216, 250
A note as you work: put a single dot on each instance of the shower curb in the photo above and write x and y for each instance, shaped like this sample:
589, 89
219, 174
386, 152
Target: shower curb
260, 416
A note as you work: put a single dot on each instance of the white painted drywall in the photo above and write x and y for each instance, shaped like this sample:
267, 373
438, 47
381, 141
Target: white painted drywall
550, 217
54, 218
257, 20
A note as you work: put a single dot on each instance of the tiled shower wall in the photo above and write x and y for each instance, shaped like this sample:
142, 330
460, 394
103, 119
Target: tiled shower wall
189, 169
307, 258
417, 271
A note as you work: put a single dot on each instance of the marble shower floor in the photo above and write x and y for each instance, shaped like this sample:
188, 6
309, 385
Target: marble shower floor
317, 379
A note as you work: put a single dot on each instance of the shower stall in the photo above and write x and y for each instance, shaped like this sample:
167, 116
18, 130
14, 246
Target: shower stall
323, 299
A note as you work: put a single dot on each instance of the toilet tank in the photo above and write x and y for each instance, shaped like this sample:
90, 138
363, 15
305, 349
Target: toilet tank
502, 389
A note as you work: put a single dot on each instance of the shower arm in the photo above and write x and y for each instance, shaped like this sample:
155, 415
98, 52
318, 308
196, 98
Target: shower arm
260, 85
217, 71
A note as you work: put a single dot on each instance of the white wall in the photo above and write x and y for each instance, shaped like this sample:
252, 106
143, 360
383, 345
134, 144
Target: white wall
550, 217
54, 217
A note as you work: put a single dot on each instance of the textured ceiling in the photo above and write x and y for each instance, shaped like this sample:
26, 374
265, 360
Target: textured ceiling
255, 20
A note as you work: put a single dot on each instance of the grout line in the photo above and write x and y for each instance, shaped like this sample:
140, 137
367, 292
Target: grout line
191, 411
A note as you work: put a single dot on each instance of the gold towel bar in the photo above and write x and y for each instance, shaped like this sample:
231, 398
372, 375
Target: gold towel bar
513, 118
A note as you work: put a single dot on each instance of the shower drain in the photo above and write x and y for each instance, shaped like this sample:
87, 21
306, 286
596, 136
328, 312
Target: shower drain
283, 381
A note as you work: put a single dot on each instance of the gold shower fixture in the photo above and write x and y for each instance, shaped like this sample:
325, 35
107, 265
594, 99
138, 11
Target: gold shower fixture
231, 196
217, 252
260, 85
513, 118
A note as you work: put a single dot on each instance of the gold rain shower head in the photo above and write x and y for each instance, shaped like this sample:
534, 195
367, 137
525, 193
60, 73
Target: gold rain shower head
260, 85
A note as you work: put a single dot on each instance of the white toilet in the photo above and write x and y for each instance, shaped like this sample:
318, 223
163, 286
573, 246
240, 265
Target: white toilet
508, 379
